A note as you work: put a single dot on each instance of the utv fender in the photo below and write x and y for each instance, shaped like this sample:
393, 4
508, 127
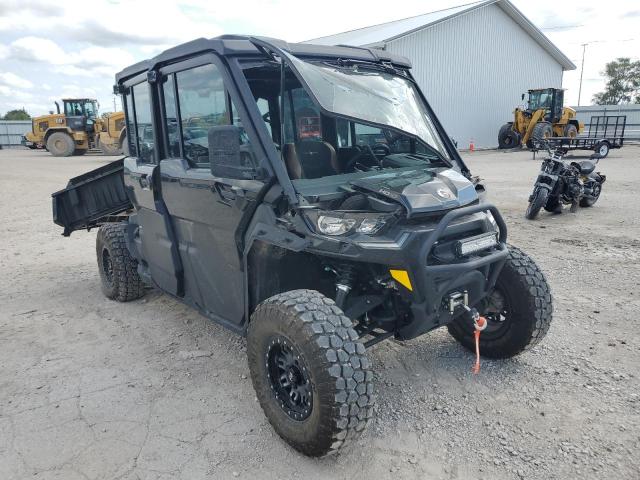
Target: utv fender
276, 236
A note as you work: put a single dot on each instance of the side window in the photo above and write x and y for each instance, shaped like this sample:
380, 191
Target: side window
300, 108
367, 135
131, 126
171, 116
203, 104
144, 128
263, 106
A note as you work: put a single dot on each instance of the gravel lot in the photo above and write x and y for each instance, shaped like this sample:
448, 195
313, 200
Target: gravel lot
90, 388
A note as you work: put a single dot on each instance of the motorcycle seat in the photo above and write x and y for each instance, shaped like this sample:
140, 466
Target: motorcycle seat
586, 166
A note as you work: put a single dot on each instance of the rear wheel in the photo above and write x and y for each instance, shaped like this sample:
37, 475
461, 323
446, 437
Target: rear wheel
518, 312
507, 137
590, 201
60, 144
118, 269
309, 371
537, 201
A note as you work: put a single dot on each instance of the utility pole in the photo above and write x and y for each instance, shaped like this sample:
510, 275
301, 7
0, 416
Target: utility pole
584, 47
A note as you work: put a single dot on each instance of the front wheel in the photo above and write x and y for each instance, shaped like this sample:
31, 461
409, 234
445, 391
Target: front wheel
309, 371
518, 311
537, 200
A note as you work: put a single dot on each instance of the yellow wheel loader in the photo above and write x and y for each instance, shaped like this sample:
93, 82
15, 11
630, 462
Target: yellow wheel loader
544, 117
77, 129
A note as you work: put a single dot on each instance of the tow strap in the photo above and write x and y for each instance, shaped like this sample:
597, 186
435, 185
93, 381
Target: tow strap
479, 323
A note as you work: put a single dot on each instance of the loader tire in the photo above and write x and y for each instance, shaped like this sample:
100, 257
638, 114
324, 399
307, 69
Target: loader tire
541, 132
118, 269
60, 144
518, 312
508, 137
570, 131
310, 371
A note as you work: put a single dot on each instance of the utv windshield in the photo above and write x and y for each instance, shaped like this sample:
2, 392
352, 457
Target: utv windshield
368, 120
369, 93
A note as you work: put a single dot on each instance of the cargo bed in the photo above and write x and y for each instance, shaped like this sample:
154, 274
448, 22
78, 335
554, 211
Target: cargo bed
91, 198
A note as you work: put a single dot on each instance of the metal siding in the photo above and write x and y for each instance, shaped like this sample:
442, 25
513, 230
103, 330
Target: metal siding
473, 69
11, 131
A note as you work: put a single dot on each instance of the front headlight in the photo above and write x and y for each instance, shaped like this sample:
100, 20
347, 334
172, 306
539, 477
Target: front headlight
338, 223
334, 225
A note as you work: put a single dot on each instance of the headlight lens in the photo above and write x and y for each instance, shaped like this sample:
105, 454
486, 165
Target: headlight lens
335, 225
339, 223
371, 226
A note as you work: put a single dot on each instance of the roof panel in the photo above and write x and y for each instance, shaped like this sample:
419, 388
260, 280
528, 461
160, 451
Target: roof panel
377, 35
386, 31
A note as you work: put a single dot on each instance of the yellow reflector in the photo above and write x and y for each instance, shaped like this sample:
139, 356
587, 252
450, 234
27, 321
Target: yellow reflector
402, 277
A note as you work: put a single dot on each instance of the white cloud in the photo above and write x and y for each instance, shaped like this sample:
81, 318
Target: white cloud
90, 61
12, 80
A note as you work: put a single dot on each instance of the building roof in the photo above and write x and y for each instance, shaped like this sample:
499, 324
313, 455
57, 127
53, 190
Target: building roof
379, 35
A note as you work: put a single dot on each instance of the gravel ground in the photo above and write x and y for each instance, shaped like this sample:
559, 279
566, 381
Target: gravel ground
90, 388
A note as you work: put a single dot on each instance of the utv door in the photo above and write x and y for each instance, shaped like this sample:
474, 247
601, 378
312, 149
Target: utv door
154, 239
206, 210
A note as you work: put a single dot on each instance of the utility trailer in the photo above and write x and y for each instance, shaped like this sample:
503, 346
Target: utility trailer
91, 199
605, 132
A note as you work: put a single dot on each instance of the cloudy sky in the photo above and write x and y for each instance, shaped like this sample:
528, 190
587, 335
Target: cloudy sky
50, 50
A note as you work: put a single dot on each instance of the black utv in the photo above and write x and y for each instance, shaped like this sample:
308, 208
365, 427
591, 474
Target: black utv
307, 197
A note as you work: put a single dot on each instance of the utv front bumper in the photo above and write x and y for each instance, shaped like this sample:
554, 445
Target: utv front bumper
434, 280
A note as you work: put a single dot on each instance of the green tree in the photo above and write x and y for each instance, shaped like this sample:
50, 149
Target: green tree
623, 83
20, 114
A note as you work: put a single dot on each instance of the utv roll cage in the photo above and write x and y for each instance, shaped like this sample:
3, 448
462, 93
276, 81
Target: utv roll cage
231, 49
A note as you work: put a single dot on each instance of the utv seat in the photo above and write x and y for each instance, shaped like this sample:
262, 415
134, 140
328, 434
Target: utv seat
310, 159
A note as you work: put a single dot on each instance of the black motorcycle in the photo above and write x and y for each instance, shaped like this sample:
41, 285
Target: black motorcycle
561, 182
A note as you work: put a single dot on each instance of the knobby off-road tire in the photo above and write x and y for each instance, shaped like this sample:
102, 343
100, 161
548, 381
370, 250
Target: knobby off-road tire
326, 353
118, 269
60, 144
526, 316
538, 200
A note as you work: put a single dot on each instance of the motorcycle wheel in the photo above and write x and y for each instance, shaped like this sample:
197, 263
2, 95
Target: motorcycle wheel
538, 199
590, 202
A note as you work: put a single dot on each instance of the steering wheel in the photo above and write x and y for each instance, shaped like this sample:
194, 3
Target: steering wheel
363, 151
380, 151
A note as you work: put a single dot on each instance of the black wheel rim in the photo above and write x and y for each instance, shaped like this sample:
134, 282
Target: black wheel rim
289, 379
497, 311
107, 266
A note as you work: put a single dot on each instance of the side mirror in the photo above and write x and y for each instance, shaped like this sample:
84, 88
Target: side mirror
522, 97
226, 156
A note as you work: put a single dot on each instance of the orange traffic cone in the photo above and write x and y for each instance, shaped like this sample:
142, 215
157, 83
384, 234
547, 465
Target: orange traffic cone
472, 147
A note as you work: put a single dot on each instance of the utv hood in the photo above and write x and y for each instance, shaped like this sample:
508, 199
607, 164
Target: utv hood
427, 191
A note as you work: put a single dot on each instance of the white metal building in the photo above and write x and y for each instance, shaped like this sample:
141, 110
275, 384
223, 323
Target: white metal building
473, 62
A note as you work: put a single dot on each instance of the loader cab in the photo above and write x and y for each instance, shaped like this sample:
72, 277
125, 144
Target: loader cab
81, 113
549, 99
